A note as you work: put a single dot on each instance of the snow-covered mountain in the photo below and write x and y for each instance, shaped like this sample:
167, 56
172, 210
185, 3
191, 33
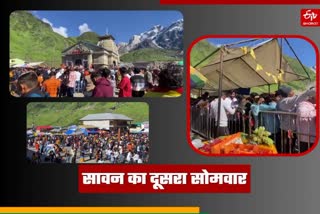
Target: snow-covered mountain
172, 36
157, 37
152, 33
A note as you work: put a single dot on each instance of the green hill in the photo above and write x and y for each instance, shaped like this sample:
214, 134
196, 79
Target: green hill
34, 40
91, 37
203, 48
69, 113
150, 54
296, 85
200, 51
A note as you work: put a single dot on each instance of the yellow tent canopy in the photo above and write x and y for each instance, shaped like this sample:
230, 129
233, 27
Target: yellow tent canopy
246, 67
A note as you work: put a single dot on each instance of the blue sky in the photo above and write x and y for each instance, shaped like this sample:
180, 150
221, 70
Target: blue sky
303, 48
121, 24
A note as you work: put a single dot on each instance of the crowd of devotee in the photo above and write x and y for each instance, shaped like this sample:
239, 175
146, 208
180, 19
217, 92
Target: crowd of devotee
104, 147
289, 117
122, 81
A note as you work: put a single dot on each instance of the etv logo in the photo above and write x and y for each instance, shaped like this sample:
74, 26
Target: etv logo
310, 17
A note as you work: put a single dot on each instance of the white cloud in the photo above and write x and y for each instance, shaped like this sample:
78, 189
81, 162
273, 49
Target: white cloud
47, 21
60, 30
84, 28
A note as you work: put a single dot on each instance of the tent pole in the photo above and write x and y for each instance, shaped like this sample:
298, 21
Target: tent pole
242, 41
220, 88
119, 133
297, 58
280, 66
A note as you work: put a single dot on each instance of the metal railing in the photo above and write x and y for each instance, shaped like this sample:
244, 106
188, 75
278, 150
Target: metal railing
203, 122
236, 122
290, 132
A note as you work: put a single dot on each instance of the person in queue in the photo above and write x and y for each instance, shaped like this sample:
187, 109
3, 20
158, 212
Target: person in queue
125, 84
103, 87
52, 85
64, 78
288, 102
306, 123
89, 85
148, 78
28, 85
138, 83
71, 82
225, 109
270, 121
170, 83
107, 73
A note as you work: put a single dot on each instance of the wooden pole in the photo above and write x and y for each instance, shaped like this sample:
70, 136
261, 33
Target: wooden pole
280, 66
220, 87
129, 133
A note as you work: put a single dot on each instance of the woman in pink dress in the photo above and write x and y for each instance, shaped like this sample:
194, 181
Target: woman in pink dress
306, 123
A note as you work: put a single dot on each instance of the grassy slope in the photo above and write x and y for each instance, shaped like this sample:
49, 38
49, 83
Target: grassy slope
33, 40
91, 37
150, 54
204, 48
68, 113
201, 50
296, 85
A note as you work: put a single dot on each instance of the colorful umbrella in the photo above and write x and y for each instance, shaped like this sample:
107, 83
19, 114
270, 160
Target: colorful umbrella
197, 79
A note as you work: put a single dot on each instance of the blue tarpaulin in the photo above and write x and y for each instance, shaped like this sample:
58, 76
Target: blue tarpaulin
75, 131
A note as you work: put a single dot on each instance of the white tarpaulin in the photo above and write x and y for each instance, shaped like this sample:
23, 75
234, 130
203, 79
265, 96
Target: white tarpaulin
32, 64
27, 65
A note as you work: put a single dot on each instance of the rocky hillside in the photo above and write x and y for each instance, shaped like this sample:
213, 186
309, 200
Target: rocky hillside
170, 38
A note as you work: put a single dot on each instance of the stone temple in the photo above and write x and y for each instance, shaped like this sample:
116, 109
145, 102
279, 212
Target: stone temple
105, 53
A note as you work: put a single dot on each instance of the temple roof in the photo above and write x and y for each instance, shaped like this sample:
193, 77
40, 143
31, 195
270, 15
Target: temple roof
106, 37
88, 45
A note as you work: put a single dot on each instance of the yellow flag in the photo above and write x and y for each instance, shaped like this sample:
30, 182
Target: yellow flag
252, 53
259, 67
268, 74
244, 49
275, 78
